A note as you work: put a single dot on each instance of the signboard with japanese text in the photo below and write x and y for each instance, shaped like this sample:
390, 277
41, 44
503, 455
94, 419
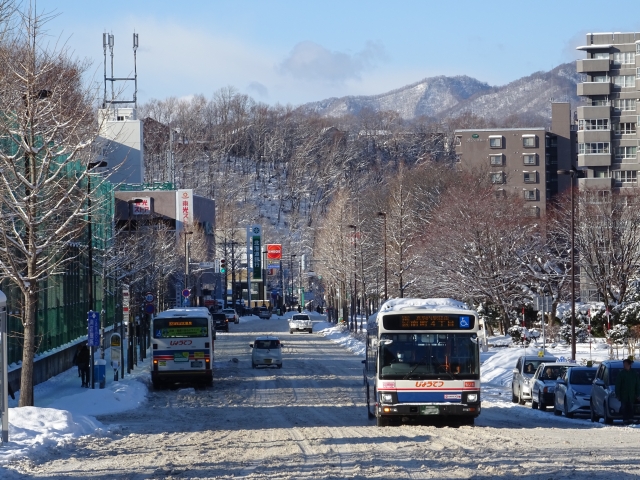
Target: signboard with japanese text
142, 206
93, 339
184, 210
125, 303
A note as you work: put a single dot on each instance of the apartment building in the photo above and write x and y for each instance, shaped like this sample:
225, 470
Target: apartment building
524, 161
607, 138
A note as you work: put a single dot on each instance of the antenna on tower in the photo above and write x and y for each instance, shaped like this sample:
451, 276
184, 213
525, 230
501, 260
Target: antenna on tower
108, 41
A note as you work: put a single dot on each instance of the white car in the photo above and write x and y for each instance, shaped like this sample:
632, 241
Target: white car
231, 315
300, 322
267, 351
573, 391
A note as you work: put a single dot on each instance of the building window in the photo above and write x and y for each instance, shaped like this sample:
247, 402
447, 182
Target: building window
497, 177
599, 102
624, 128
595, 124
637, 47
620, 58
600, 78
625, 153
593, 148
625, 176
624, 104
531, 195
637, 72
601, 56
624, 81
601, 172
530, 159
458, 141
495, 141
530, 177
529, 141
500, 193
496, 160
532, 211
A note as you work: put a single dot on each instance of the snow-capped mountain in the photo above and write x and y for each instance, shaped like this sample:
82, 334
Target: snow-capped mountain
446, 97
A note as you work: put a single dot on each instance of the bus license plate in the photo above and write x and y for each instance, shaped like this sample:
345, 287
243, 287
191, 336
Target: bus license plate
196, 364
429, 410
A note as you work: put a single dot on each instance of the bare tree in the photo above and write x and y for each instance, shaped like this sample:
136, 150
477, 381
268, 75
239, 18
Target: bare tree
47, 126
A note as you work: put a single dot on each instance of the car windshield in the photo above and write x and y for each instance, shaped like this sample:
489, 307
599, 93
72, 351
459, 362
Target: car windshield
268, 344
551, 373
530, 366
301, 317
614, 373
428, 355
582, 377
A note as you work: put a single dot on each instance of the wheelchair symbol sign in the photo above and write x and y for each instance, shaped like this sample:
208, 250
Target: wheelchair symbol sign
464, 322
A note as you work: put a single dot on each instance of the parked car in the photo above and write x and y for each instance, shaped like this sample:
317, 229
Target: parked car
267, 350
543, 383
300, 322
231, 314
522, 375
264, 313
221, 322
604, 403
255, 311
573, 391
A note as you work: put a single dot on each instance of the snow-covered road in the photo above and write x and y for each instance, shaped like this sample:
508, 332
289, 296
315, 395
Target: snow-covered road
308, 420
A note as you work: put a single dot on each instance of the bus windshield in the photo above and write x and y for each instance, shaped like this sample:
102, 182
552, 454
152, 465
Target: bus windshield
428, 356
180, 327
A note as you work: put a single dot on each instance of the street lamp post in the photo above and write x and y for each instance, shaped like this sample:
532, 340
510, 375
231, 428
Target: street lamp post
186, 260
291, 278
355, 277
386, 292
572, 173
90, 167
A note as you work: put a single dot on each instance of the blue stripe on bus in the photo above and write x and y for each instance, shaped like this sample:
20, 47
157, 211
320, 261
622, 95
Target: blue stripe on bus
421, 397
171, 352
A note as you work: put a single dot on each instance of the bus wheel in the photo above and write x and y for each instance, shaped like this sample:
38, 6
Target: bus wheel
157, 385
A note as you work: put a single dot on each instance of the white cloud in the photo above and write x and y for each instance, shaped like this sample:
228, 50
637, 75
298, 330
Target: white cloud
311, 61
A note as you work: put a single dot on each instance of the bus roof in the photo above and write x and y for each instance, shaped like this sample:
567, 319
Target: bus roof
396, 304
195, 312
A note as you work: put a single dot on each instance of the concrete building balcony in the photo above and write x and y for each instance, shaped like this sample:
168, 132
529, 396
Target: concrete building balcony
589, 65
594, 136
595, 183
594, 160
594, 88
592, 113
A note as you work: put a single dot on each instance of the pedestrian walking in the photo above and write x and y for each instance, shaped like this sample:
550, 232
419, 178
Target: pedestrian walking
75, 359
627, 390
84, 358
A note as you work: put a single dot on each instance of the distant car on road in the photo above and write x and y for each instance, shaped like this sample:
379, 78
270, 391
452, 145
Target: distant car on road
300, 322
573, 391
221, 322
264, 313
267, 351
231, 314
522, 375
543, 383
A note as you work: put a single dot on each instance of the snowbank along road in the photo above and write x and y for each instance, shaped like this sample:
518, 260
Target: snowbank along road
308, 420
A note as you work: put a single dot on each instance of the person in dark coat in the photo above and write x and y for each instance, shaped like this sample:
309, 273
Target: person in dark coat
627, 390
84, 358
75, 359
11, 393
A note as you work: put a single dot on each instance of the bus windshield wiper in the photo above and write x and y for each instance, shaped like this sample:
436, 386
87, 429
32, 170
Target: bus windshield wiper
421, 362
453, 377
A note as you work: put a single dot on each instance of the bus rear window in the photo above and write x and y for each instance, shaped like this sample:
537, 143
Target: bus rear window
180, 327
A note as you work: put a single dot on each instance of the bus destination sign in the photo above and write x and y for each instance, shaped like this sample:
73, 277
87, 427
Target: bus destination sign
428, 321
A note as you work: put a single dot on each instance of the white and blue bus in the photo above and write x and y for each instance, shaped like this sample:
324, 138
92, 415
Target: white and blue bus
182, 347
423, 362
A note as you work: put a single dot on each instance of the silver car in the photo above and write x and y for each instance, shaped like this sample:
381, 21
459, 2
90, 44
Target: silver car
267, 351
543, 383
573, 391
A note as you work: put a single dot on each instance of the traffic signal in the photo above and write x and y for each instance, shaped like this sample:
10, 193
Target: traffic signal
223, 265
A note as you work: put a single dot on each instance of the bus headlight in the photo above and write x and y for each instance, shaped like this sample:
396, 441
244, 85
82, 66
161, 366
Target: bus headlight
386, 397
472, 397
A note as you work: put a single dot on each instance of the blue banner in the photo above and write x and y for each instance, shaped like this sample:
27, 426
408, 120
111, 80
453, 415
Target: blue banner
94, 329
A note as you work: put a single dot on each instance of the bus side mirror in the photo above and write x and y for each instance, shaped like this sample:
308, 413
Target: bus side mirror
251, 345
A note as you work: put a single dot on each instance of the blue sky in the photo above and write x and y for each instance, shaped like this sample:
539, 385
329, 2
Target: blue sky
292, 52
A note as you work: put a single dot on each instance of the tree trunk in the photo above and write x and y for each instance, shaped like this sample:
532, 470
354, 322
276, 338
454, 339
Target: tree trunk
28, 349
